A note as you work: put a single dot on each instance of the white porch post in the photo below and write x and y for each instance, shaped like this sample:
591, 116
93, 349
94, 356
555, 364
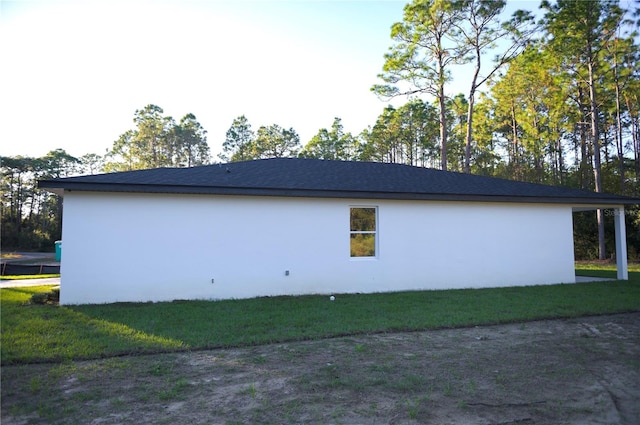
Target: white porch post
621, 244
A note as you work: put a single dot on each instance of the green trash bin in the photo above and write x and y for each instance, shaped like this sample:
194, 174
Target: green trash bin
58, 250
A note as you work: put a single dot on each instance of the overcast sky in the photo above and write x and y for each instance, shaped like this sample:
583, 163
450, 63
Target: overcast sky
73, 73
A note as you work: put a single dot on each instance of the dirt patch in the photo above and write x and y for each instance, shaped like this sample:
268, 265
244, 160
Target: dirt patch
577, 371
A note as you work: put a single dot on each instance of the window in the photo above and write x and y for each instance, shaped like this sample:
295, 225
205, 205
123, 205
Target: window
363, 231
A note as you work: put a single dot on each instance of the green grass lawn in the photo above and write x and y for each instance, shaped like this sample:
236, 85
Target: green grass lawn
28, 276
39, 333
602, 270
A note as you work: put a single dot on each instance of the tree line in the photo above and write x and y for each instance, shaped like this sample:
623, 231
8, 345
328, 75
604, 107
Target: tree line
552, 101
32, 218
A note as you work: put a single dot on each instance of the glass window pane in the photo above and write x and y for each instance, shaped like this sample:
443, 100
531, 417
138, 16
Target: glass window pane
363, 245
363, 219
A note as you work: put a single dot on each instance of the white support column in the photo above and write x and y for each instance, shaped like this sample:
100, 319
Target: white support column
621, 244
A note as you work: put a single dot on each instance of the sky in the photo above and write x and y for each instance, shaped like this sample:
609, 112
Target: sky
73, 72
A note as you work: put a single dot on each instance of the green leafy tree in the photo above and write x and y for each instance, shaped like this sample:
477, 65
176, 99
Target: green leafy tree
17, 181
58, 163
530, 110
123, 155
157, 141
242, 144
623, 55
407, 135
579, 32
478, 32
274, 142
190, 143
238, 141
382, 140
419, 60
151, 140
332, 144
486, 156
457, 108
91, 163
418, 133
631, 98
147, 146
31, 217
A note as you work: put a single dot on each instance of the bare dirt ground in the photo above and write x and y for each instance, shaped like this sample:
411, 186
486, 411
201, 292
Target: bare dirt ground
576, 371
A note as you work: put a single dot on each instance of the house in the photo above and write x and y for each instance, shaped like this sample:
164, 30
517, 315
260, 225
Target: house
304, 226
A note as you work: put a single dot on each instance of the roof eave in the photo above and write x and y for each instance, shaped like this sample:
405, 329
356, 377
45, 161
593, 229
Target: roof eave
60, 187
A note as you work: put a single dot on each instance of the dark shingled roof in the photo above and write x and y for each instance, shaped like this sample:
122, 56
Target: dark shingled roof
330, 179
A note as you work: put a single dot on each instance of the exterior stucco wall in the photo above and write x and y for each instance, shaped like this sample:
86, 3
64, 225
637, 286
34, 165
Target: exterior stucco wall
143, 247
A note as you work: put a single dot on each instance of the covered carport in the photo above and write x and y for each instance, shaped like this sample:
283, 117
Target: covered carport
621, 256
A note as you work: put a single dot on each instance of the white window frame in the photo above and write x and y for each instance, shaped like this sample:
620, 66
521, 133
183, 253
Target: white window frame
375, 233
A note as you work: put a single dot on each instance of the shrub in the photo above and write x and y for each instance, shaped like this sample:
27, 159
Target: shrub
40, 298
52, 297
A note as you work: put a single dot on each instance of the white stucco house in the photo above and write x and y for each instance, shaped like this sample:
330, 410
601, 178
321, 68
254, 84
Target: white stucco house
303, 226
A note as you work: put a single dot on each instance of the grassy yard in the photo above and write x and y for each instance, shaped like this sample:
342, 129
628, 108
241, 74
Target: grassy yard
603, 270
29, 276
44, 333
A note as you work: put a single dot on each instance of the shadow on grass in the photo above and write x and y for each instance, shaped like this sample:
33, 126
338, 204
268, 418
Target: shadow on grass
44, 333
610, 274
